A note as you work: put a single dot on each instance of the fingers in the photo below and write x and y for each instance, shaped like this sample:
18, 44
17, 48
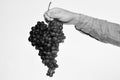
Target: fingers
47, 17
52, 13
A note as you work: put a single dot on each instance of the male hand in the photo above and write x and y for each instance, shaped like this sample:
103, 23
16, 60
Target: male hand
62, 15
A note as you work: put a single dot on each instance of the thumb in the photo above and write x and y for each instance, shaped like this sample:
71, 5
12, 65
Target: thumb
53, 13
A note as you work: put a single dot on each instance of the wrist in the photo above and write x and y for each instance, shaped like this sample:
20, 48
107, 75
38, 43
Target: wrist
76, 18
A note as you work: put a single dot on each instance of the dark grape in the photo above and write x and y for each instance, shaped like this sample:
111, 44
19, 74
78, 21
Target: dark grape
46, 39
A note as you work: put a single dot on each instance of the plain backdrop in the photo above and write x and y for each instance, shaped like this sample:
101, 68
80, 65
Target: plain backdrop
80, 57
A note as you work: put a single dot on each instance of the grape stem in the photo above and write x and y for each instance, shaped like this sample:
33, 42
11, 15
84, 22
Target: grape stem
49, 6
48, 10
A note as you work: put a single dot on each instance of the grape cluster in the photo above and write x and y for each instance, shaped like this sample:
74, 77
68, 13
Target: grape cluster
46, 39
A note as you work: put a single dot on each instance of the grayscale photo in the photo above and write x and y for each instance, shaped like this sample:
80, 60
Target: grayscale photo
60, 40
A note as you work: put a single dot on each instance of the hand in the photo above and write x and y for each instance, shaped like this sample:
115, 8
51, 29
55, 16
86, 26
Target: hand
62, 15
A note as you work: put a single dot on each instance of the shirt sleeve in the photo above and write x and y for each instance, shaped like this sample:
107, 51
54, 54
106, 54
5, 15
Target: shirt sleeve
101, 30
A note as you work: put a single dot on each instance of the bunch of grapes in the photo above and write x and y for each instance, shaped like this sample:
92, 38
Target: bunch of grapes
46, 39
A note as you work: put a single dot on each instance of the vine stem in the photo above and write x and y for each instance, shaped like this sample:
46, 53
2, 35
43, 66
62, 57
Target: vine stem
48, 10
49, 6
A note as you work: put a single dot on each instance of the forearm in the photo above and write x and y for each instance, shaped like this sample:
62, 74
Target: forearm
101, 30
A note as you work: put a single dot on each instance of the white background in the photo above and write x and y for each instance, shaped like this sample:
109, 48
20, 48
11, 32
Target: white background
80, 57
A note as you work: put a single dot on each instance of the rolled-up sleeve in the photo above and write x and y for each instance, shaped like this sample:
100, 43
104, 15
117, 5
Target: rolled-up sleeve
101, 30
